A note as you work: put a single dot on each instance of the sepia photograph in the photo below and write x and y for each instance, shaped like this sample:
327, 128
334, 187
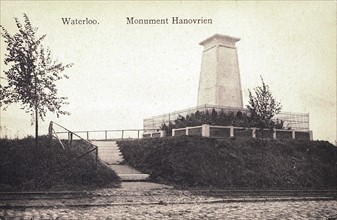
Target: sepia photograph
168, 109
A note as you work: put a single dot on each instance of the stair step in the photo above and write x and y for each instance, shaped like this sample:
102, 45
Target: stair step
109, 152
134, 177
124, 169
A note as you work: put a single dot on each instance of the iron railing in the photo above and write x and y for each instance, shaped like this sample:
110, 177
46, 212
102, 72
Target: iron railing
292, 120
119, 134
52, 133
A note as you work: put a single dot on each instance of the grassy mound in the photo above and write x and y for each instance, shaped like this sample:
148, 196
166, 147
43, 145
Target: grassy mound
53, 168
235, 163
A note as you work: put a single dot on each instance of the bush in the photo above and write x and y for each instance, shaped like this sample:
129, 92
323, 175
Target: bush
221, 118
52, 168
234, 163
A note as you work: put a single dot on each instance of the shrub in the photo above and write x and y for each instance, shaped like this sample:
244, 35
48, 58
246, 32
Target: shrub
55, 168
234, 163
221, 118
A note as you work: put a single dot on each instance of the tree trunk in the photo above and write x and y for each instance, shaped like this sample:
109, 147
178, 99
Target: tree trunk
36, 130
36, 145
36, 117
262, 146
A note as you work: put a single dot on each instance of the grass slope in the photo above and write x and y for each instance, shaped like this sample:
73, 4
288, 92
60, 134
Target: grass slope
20, 170
235, 163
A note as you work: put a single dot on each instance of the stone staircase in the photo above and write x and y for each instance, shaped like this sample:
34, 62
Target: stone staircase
108, 151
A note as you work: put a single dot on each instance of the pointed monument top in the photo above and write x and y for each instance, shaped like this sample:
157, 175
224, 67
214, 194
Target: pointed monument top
220, 39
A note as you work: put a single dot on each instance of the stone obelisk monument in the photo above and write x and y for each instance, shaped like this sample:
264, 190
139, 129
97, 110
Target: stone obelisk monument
219, 82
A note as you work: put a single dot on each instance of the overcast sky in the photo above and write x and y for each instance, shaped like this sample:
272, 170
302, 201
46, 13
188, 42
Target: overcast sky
123, 73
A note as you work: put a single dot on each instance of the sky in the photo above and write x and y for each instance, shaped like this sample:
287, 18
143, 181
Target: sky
123, 73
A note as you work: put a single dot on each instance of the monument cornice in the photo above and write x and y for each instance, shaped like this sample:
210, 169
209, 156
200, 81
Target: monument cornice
221, 39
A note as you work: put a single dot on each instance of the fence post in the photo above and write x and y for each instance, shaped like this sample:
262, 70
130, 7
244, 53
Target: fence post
87, 135
254, 132
138, 134
274, 134
293, 135
231, 131
106, 135
122, 134
186, 131
205, 130
70, 138
173, 132
310, 135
